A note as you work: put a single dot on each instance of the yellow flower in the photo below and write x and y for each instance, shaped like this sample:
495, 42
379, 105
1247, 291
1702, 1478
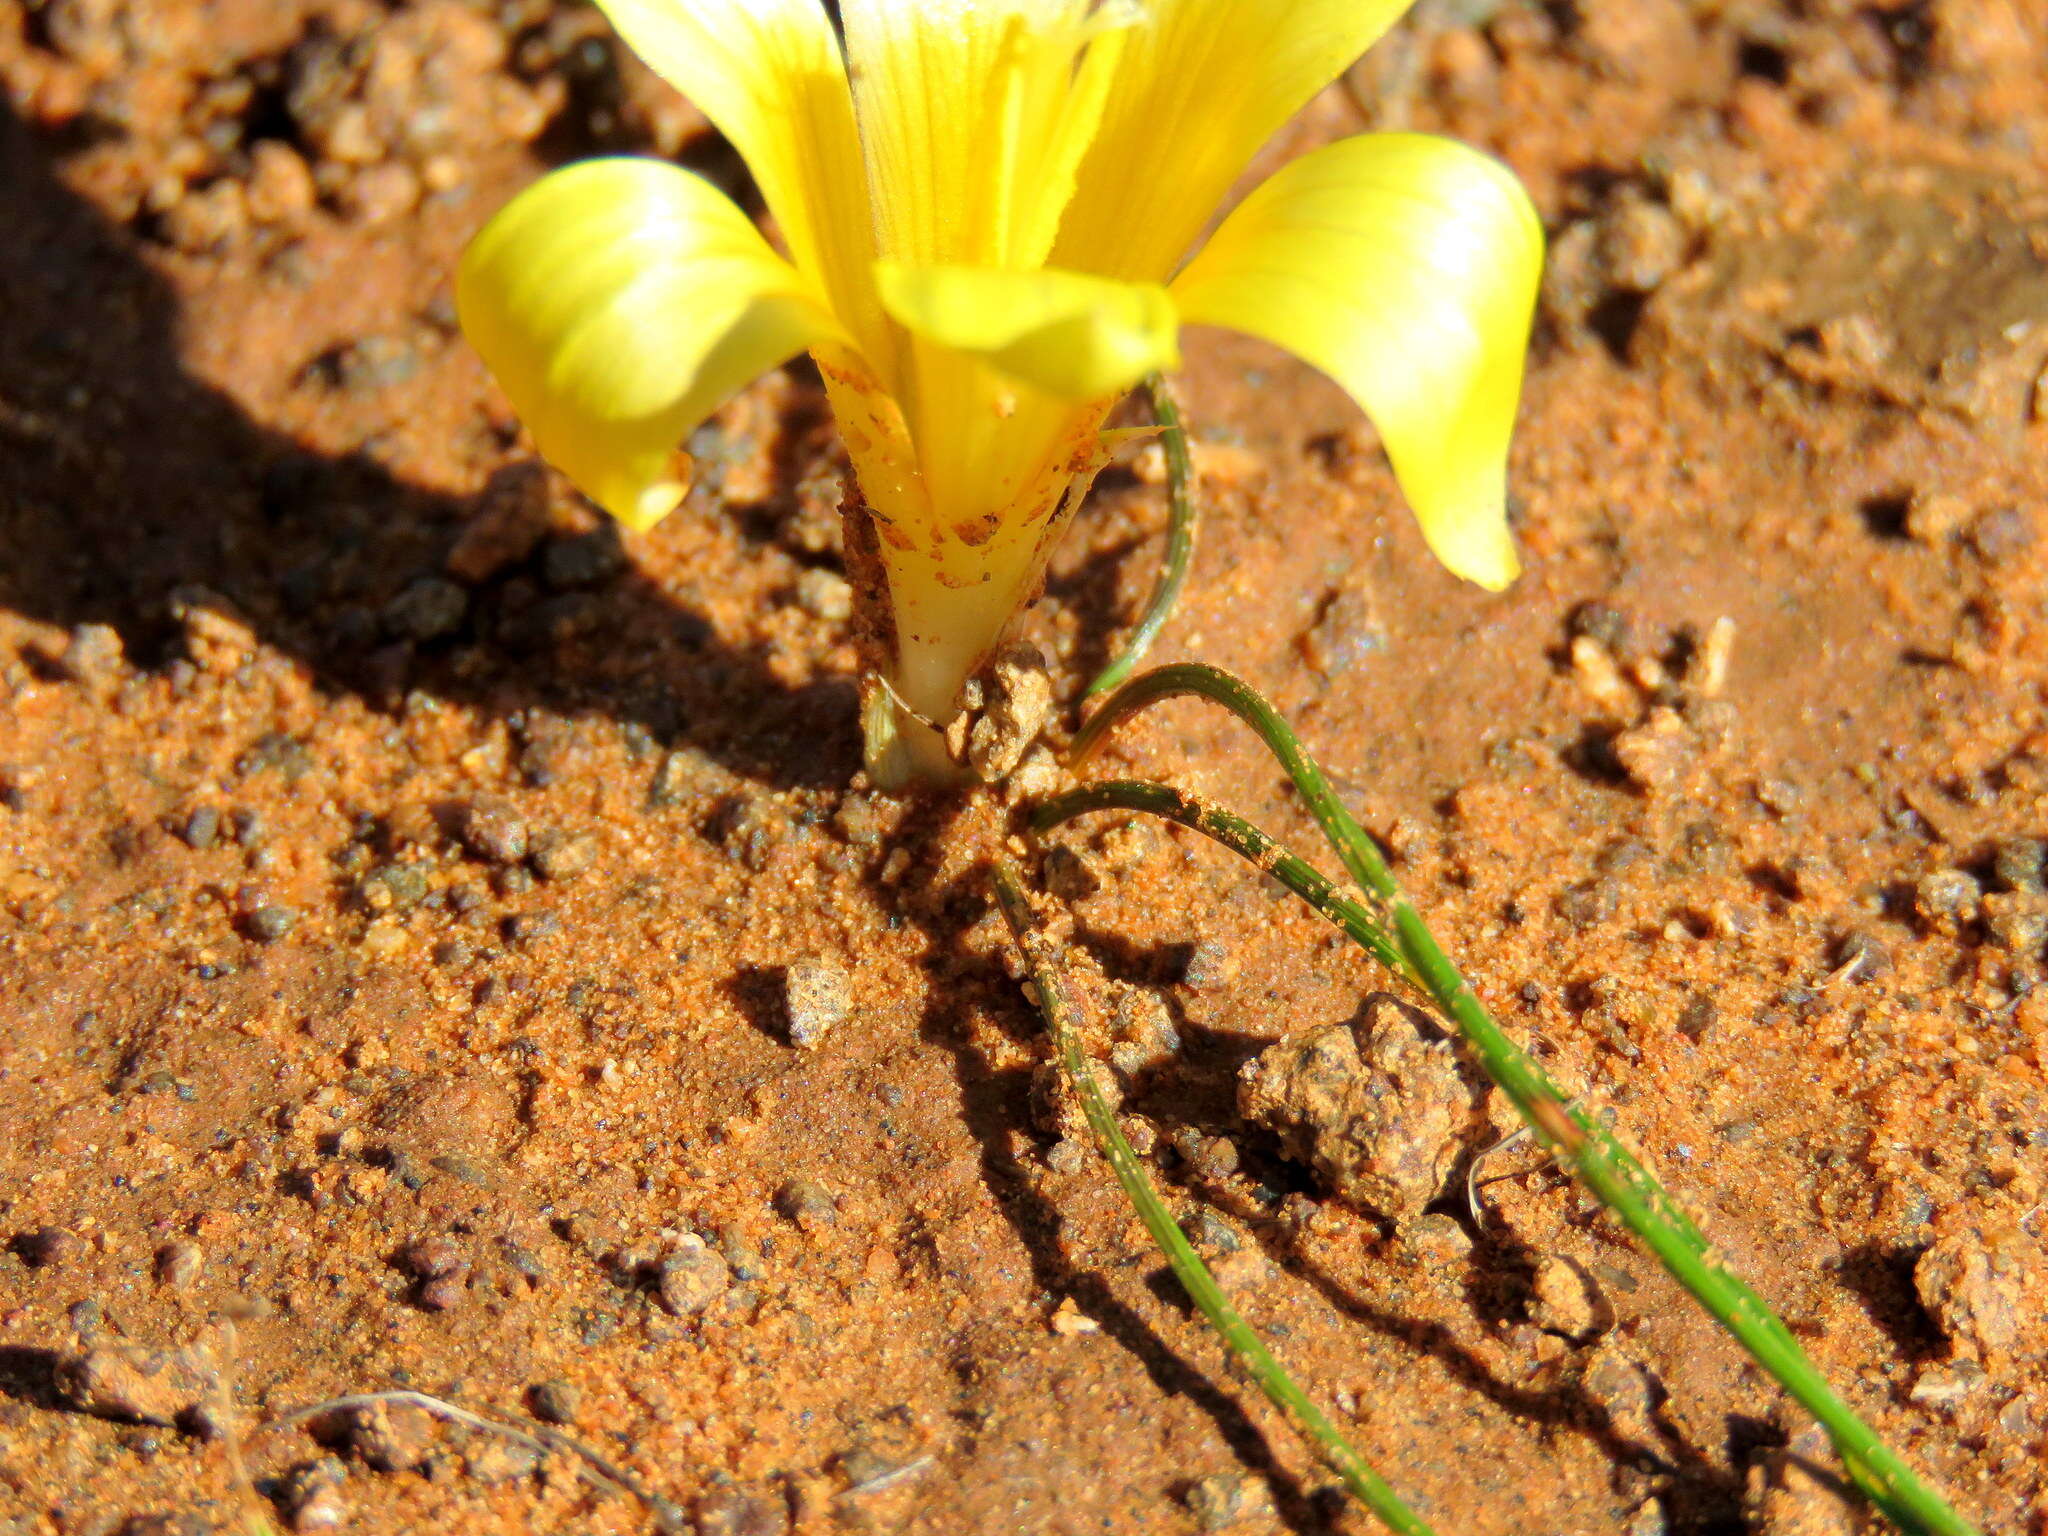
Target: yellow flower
989, 209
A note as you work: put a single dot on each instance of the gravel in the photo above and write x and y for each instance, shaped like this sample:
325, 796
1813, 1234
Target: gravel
818, 995
178, 1264
556, 1401
492, 830
691, 1278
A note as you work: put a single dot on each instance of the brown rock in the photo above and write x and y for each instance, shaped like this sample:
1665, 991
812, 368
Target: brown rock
1019, 702
216, 637
511, 518
691, 1278
280, 186
393, 1437
818, 996
559, 855
162, 1386
493, 830
1565, 1301
178, 1263
1656, 753
1379, 1108
1791, 1493
48, 1247
1980, 1288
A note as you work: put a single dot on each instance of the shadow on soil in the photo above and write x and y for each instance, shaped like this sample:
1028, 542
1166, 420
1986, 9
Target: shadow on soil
1701, 1496
124, 479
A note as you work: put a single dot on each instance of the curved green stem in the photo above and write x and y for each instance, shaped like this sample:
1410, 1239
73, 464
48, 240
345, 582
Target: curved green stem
1360, 856
1241, 837
1601, 1162
1062, 1017
1180, 539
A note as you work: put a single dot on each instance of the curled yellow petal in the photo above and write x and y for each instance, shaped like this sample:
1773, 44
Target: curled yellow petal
770, 75
619, 302
1406, 268
1070, 335
1200, 86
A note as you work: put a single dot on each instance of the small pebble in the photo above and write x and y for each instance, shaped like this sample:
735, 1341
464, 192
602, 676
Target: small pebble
200, 828
559, 855
392, 1437
1697, 1019
1067, 1157
1945, 898
499, 1459
1867, 955
1565, 1301
49, 1247
1640, 244
1224, 1499
312, 1494
526, 929
2021, 864
432, 1257
1437, 1241
178, 1263
1019, 703
2001, 535
1211, 966
93, 658
1947, 1387
444, 1293
2016, 921
727, 1509
270, 922
1069, 1321
492, 830
1378, 1108
1657, 753
818, 996
1976, 1288
393, 888
143, 1385
691, 1278
556, 1401
807, 1203
676, 780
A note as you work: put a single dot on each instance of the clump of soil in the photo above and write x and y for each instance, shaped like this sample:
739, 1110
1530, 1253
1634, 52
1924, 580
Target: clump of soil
437, 930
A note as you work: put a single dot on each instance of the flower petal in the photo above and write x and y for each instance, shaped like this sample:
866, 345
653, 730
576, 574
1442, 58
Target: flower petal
1405, 267
1070, 335
1201, 85
619, 302
974, 115
770, 75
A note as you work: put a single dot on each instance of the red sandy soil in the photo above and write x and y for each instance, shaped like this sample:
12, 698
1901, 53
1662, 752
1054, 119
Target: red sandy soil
401, 875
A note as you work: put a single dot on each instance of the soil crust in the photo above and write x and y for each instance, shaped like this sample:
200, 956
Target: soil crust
440, 948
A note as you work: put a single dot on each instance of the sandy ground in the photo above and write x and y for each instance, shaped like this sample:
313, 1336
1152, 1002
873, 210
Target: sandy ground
412, 892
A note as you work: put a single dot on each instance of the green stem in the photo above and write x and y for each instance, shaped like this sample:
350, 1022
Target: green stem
1180, 539
1062, 1016
1361, 858
1240, 836
1606, 1167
